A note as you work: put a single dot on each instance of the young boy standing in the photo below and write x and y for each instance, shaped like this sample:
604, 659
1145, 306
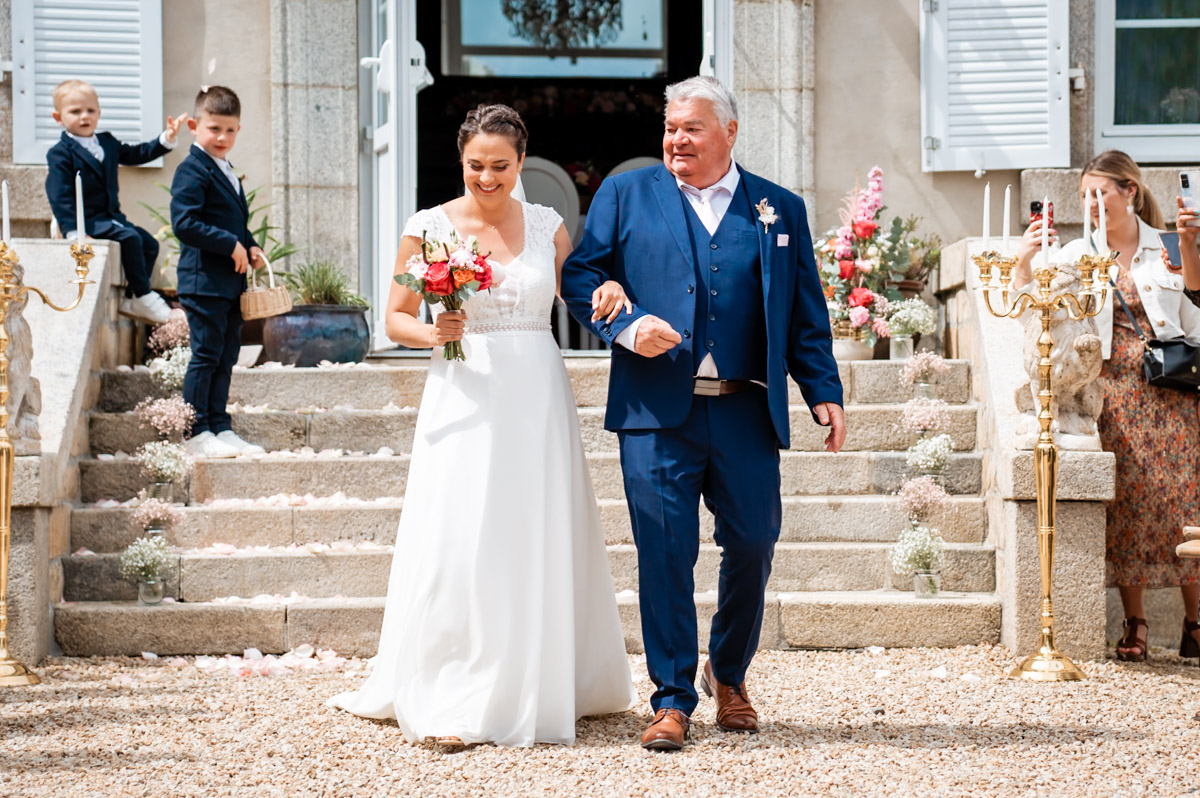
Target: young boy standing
209, 215
95, 157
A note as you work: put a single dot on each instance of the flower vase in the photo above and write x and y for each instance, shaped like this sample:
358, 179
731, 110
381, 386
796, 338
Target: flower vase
156, 531
150, 592
938, 477
924, 390
900, 347
162, 490
927, 584
850, 343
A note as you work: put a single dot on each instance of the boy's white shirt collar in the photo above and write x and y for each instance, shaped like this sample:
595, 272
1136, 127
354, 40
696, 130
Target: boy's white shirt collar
92, 144
224, 165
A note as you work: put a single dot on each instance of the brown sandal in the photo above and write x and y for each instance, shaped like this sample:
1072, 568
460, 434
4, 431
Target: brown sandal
1133, 647
1189, 645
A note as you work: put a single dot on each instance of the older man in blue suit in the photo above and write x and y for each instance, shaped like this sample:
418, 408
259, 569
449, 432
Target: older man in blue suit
726, 302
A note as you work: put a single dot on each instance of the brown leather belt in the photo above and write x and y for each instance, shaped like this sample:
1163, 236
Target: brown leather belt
707, 386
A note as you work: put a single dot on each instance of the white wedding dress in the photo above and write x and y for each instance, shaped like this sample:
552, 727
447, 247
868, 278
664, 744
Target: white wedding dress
501, 622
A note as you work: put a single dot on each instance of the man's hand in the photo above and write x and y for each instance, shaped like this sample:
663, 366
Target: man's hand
173, 125
257, 257
655, 336
241, 262
608, 299
831, 415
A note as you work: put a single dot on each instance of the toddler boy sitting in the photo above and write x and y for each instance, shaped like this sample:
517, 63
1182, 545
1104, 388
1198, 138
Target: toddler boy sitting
95, 156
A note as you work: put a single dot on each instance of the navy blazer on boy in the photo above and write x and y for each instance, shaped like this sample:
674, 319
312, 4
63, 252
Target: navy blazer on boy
210, 219
100, 204
637, 234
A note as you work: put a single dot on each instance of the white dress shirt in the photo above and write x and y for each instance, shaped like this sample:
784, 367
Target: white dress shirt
225, 167
710, 204
90, 144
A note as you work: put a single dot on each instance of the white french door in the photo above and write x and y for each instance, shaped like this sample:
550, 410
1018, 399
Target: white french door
398, 72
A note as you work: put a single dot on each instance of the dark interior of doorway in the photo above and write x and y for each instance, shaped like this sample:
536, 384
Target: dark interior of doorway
588, 124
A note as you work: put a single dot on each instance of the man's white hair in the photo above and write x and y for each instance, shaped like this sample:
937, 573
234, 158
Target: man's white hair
709, 89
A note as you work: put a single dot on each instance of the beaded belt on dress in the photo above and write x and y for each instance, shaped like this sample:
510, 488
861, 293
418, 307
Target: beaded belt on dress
507, 326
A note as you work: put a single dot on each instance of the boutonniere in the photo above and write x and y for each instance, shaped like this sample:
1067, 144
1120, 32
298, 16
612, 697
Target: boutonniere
766, 214
241, 176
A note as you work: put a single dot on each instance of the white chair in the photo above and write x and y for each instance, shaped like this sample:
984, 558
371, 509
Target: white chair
633, 163
547, 183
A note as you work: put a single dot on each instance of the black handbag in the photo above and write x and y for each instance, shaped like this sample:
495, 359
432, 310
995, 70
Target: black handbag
1173, 363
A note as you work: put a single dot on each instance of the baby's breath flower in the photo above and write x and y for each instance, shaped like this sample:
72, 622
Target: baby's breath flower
917, 549
144, 559
930, 455
163, 461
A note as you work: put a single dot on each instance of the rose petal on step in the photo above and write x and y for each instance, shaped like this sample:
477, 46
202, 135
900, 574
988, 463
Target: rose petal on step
149, 655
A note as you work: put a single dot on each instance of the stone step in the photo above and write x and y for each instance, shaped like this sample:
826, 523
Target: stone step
869, 428
802, 473
806, 519
197, 577
888, 618
372, 386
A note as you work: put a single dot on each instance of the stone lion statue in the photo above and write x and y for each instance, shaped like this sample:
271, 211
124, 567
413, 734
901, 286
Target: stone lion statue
1077, 359
25, 393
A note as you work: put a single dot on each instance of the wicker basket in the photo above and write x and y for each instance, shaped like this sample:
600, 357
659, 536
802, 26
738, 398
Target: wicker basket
261, 303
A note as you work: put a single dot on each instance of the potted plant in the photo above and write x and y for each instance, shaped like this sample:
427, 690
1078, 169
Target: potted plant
163, 463
919, 553
328, 320
145, 561
155, 517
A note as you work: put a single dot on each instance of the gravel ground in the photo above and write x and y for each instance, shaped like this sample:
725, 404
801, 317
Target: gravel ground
937, 722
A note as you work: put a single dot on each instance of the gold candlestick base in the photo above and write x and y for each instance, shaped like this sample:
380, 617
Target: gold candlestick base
1047, 666
15, 674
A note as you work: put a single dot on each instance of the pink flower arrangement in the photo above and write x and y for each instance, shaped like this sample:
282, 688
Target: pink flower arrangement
174, 333
922, 497
156, 513
170, 417
923, 367
924, 415
859, 316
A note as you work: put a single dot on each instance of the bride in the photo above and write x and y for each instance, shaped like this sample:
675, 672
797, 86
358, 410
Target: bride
501, 624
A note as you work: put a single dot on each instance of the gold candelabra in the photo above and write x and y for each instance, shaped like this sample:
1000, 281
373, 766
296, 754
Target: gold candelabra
1046, 664
12, 671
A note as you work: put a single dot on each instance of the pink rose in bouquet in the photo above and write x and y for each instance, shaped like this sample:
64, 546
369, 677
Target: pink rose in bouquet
448, 273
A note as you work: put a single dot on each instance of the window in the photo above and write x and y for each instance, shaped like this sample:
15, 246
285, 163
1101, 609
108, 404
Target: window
114, 44
1148, 78
554, 38
994, 91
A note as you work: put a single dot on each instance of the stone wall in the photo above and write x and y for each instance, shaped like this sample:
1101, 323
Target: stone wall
314, 93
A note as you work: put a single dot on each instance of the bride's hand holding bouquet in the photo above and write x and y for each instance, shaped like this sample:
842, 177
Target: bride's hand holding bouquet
449, 273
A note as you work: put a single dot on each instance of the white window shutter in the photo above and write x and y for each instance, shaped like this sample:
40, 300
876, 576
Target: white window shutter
114, 44
994, 85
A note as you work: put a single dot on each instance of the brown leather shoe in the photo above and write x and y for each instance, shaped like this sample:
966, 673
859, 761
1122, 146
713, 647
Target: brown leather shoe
734, 712
667, 731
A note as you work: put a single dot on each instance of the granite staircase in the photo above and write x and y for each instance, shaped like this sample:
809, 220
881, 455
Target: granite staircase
272, 553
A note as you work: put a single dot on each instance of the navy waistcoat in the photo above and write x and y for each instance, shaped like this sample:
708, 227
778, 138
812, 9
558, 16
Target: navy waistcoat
730, 322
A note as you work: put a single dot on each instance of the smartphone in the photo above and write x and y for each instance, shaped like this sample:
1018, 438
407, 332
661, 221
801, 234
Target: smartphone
1170, 242
1189, 191
1035, 211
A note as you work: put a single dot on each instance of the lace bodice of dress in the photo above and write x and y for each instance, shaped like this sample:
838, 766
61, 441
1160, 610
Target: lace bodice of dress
526, 292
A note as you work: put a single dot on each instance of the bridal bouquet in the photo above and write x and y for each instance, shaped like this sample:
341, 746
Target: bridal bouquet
448, 273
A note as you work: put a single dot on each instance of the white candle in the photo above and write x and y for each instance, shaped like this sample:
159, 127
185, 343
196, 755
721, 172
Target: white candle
80, 229
4, 233
1103, 227
987, 214
1045, 229
1006, 230
1087, 219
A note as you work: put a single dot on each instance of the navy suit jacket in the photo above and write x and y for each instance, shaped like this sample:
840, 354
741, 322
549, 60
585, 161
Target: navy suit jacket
100, 204
209, 219
636, 234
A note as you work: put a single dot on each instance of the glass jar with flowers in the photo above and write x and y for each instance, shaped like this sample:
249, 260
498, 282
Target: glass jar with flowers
919, 553
906, 319
929, 456
924, 417
163, 463
171, 417
145, 561
156, 517
920, 373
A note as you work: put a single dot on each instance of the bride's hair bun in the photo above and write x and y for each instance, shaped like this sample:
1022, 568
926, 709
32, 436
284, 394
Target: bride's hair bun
496, 120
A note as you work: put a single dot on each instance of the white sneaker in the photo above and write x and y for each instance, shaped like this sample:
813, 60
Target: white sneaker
150, 308
230, 438
207, 446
